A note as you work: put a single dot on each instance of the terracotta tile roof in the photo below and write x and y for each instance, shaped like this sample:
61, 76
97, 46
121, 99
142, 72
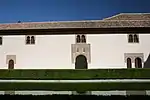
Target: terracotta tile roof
130, 16
115, 21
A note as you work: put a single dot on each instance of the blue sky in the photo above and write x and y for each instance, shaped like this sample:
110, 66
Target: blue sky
61, 10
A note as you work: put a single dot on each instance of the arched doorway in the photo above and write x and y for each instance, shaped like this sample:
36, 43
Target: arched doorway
138, 63
11, 64
129, 63
81, 62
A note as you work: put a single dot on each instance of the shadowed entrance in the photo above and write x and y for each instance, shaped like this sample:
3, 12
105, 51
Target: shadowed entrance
11, 64
81, 62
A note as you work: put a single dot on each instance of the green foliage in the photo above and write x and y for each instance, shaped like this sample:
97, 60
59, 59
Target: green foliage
81, 87
75, 74
54, 74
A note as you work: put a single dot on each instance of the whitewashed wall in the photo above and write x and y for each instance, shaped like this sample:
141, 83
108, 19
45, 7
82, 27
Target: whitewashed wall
108, 50
54, 52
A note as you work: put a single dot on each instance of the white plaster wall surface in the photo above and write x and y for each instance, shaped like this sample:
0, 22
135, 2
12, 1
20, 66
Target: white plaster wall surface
108, 50
49, 52
54, 52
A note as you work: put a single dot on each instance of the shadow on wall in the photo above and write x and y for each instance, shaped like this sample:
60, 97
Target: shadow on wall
147, 62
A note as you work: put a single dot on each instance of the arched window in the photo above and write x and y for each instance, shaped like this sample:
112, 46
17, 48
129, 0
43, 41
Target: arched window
130, 38
11, 64
32, 40
138, 63
83, 39
78, 38
129, 63
136, 38
1, 41
28, 40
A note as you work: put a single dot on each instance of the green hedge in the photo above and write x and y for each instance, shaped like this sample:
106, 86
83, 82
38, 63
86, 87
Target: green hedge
75, 86
75, 74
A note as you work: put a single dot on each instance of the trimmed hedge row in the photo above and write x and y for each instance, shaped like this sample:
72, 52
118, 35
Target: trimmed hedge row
80, 87
75, 74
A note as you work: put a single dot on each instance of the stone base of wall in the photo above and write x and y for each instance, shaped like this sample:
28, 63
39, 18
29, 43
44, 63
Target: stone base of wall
9, 92
84, 93
135, 92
